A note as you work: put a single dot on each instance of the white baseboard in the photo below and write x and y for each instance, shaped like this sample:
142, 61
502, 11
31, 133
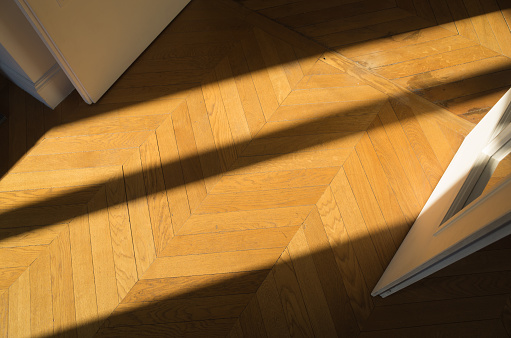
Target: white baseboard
51, 89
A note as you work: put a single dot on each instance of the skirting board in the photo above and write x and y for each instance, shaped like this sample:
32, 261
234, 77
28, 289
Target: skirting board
51, 89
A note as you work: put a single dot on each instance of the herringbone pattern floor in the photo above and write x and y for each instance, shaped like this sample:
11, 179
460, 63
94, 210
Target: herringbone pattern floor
238, 178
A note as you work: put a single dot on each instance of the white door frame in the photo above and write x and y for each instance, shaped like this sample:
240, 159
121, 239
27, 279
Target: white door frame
433, 243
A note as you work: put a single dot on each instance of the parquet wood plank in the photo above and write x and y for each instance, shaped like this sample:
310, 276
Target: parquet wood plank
96, 126
404, 152
213, 328
331, 280
52, 118
452, 287
90, 143
337, 124
353, 22
481, 25
436, 312
398, 220
393, 169
53, 179
183, 245
177, 266
27, 236
209, 156
41, 311
305, 160
275, 70
4, 314
327, 110
195, 286
254, 200
120, 233
479, 262
498, 25
319, 95
370, 209
178, 310
275, 180
219, 122
443, 15
157, 202
326, 81
19, 307
474, 107
105, 280
424, 10
396, 41
246, 90
431, 131
237, 329
233, 107
466, 329
341, 10
376, 31
297, 317
83, 276
305, 59
289, 62
119, 110
462, 19
320, 67
9, 275
190, 163
189, 49
251, 320
69, 161
61, 272
262, 4
245, 220
408, 5
20, 256
465, 87
35, 121
300, 7
140, 218
38, 216
357, 230
149, 93
296, 144
260, 76
345, 258
454, 138
455, 73
435, 62
271, 308
416, 51
17, 124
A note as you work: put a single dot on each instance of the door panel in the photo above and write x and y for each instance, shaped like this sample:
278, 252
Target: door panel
95, 41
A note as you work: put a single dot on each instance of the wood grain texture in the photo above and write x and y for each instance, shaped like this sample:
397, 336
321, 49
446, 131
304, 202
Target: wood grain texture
175, 199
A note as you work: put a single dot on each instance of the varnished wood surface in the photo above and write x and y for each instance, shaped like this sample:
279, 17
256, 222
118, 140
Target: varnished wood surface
239, 180
454, 53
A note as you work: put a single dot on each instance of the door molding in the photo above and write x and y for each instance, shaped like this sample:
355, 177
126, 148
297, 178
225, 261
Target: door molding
432, 244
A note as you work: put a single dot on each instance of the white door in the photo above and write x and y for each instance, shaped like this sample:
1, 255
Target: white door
458, 220
95, 41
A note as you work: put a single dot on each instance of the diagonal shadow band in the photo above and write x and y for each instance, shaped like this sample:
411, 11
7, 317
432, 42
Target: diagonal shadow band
333, 125
157, 91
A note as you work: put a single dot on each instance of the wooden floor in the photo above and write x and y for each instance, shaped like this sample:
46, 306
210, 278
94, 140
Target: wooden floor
238, 180
453, 53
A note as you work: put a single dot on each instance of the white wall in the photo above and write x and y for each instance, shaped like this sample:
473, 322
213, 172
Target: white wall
26, 61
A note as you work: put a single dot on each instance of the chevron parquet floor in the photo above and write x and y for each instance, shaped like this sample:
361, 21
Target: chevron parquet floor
238, 179
453, 53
